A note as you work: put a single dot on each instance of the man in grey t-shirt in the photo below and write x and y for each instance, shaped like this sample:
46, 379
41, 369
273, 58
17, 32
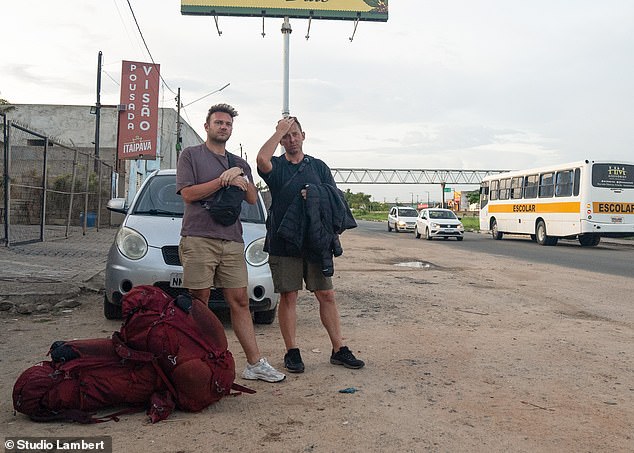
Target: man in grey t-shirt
212, 253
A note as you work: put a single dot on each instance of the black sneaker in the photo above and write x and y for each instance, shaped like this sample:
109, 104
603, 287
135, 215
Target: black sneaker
346, 358
293, 361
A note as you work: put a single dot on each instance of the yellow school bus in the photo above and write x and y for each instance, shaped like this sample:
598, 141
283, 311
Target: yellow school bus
586, 200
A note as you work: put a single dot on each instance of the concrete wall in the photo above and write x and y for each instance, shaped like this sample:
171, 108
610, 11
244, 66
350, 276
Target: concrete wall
74, 126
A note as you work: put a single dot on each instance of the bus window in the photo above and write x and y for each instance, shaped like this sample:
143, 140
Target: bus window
484, 194
613, 176
546, 186
494, 192
516, 188
505, 185
530, 186
563, 183
575, 190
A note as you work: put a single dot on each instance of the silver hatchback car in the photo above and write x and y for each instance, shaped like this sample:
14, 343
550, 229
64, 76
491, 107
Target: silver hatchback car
145, 249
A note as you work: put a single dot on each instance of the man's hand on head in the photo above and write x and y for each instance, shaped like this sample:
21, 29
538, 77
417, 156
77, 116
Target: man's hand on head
284, 125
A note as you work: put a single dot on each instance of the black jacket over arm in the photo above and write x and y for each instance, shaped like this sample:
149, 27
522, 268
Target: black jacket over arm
314, 225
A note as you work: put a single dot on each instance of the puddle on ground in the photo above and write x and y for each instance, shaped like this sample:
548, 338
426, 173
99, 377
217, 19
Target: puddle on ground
415, 264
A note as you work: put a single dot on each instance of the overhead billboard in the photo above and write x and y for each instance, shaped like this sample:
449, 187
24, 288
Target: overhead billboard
370, 10
138, 120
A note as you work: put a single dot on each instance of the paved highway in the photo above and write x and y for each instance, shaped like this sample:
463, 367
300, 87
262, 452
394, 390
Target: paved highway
608, 258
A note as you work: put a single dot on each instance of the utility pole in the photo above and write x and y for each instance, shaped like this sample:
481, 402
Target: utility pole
179, 139
98, 109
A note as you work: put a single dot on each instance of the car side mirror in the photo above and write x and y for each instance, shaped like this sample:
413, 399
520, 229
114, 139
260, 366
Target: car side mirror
117, 205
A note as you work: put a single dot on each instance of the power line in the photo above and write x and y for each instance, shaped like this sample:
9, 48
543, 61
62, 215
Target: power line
146, 46
208, 94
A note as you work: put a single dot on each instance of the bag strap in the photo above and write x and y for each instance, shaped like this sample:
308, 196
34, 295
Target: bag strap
305, 161
231, 159
301, 168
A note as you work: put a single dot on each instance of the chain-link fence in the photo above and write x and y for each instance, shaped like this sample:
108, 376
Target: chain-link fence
49, 190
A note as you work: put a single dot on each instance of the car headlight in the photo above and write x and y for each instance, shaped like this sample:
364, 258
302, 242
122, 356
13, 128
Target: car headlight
255, 254
461, 227
434, 225
131, 243
401, 223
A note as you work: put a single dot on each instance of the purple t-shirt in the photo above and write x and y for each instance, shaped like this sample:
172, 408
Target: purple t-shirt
196, 165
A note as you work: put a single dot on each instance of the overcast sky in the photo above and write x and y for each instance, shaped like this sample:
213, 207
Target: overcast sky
465, 84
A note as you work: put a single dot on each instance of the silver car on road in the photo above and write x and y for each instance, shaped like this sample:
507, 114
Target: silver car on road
145, 249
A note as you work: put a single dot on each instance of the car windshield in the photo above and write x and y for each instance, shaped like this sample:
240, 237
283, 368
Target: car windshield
441, 215
159, 198
407, 212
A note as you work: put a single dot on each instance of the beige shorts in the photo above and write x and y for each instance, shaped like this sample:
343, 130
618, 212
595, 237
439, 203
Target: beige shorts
212, 262
290, 272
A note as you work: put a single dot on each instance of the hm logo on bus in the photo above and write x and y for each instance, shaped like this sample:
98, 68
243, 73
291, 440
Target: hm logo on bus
617, 171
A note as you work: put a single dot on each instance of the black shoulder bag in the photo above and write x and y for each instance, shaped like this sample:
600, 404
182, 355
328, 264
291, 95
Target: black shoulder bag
227, 203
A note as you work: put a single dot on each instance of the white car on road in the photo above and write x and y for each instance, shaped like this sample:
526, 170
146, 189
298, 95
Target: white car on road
401, 218
438, 223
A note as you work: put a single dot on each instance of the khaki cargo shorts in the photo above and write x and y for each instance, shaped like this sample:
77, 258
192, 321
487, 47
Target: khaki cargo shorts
212, 262
289, 273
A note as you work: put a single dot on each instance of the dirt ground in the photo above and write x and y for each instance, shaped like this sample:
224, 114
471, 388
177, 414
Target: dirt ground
463, 353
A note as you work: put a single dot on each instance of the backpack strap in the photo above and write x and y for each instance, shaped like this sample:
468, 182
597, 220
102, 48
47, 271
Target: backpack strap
126, 352
83, 417
241, 389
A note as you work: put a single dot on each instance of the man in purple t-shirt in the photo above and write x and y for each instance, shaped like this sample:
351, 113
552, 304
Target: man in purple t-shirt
212, 253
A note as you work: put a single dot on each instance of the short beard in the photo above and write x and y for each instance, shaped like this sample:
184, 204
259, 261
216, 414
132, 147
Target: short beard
218, 141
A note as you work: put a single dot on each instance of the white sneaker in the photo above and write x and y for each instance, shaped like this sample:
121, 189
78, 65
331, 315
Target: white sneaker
264, 371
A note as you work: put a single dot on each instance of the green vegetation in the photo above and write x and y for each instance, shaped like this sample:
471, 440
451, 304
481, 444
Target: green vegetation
471, 223
361, 202
366, 215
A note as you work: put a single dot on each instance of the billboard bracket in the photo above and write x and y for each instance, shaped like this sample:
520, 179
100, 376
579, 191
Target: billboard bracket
310, 19
217, 27
354, 31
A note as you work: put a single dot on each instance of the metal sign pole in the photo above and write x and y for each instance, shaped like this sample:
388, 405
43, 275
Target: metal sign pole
286, 34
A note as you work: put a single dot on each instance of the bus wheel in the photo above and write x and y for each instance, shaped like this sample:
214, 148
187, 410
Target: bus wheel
497, 235
589, 240
541, 236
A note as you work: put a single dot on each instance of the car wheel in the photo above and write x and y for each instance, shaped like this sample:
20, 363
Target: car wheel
389, 228
264, 317
428, 234
416, 233
111, 311
459, 238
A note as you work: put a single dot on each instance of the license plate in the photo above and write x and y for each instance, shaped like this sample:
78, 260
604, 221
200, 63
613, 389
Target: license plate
176, 280
617, 219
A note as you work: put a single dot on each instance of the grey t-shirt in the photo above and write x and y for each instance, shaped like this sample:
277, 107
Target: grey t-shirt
196, 165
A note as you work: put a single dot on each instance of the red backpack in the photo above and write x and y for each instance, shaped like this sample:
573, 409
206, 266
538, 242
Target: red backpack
88, 375
188, 341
